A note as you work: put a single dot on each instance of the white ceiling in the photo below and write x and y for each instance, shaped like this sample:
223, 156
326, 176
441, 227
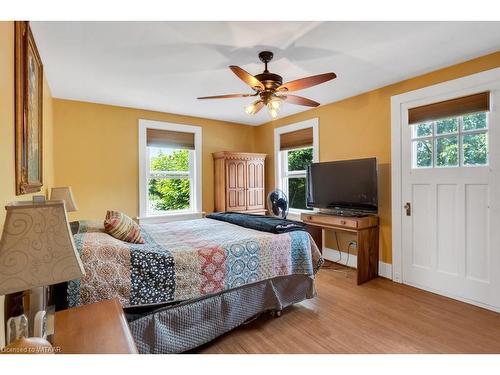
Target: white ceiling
164, 66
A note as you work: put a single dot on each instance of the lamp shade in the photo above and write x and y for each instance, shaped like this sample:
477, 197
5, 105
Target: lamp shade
37, 247
64, 194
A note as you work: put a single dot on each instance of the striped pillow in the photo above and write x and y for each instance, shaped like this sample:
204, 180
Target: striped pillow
122, 227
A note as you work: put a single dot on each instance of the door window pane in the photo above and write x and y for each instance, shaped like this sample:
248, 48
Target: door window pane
422, 130
447, 151
475, 149
299, 160
475, 121
448, 125
297, 193
422, 153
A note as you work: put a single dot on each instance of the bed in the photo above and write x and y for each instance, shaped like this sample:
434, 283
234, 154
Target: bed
192, 281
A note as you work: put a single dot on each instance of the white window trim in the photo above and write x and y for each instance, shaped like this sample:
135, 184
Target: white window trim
488, 80
278, 165
196, 205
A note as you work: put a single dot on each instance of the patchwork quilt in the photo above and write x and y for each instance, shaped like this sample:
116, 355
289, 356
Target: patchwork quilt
184, 260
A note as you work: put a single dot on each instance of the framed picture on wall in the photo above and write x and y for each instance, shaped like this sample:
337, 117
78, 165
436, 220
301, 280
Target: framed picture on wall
29, 103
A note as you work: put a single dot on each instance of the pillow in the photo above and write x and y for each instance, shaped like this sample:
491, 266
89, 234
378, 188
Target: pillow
122, 227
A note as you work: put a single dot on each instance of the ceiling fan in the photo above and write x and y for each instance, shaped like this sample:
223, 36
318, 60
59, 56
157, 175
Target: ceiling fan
271, 90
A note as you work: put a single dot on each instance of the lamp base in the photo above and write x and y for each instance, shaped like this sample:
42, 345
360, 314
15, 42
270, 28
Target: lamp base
17, 327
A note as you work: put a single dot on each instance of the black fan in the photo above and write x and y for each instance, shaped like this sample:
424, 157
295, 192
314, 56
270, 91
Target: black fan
277, 203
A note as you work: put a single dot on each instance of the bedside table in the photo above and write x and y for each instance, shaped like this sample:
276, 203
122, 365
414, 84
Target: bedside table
98, 328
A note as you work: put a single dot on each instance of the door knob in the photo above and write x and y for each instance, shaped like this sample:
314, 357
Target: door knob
408, 208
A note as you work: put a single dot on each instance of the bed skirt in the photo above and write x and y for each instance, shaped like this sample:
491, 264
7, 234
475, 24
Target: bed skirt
189, 324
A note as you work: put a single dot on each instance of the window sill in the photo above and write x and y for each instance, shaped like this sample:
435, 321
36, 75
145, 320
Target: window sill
167, 218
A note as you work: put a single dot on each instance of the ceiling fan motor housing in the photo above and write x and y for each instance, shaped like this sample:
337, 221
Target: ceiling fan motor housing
270, 81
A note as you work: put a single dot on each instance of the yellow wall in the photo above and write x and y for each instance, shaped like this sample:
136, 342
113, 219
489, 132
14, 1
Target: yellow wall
96, 152
7, 133
360, 126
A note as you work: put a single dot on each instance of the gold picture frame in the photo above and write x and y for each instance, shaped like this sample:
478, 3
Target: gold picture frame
29, 116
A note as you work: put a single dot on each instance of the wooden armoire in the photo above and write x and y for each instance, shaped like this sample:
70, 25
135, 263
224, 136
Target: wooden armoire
239, 182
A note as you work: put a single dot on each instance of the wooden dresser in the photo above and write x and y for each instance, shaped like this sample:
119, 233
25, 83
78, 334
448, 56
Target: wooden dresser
239, 182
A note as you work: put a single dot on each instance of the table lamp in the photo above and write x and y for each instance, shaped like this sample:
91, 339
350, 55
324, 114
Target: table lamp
36, 250
64, 194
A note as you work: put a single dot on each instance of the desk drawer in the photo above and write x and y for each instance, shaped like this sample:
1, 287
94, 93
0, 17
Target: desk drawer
331, 220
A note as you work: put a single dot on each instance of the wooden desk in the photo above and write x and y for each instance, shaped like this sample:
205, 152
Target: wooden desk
93, 329
366, 229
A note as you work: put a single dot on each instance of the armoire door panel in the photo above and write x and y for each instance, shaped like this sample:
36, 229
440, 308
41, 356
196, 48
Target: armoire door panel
255, 176
236, 183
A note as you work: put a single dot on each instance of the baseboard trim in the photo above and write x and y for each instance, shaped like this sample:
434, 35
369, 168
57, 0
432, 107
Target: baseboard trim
384, 269
453, 296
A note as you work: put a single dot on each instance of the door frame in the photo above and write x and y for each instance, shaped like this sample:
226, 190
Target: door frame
483, 81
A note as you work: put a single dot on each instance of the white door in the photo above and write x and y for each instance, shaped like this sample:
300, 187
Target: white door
450, 187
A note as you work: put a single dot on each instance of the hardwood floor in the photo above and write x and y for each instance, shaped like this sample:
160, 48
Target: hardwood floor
377, 317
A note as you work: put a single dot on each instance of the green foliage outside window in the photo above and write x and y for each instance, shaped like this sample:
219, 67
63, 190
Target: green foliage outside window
424, 153
169, 193
475, 121
474, 146
447, 151
298, 160
423, 130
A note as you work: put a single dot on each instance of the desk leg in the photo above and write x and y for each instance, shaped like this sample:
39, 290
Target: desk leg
317, 235
367, 255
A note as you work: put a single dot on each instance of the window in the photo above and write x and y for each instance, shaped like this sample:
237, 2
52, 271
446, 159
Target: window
170, 179
459, 141
169, 169
295, 163
296, 148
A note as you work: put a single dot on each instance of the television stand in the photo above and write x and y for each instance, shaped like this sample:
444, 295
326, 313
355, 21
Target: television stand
366, 229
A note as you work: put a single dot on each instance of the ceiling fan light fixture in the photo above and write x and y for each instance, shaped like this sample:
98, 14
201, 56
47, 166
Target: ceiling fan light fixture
273, 109
274, 104
255, 107
273, 113
250, 109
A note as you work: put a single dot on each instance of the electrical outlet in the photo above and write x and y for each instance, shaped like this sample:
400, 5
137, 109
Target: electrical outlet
354, 244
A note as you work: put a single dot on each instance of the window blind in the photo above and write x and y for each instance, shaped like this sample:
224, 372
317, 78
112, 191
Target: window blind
450, 108
296, 139
170, 139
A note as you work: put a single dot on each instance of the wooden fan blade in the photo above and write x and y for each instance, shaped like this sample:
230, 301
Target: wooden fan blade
227, 96
258, 106
246, 77
254, 107
294, 99
304, 83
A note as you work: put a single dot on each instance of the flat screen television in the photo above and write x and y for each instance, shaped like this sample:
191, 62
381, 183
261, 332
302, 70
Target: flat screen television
348, 186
